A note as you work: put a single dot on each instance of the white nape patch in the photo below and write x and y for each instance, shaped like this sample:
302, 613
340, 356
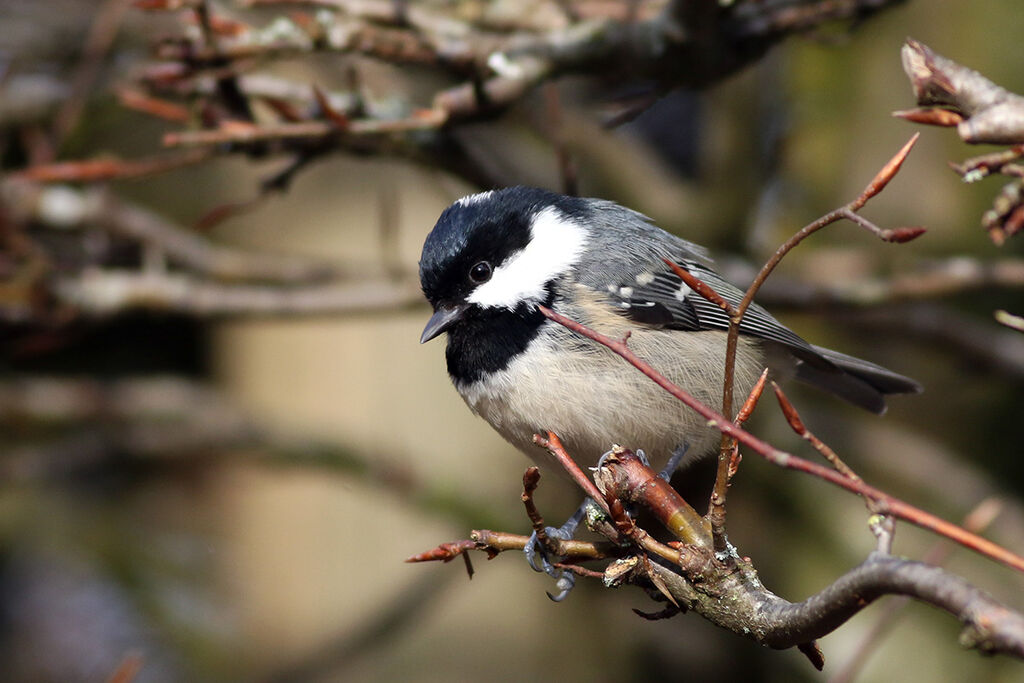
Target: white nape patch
555, 244
644, 279
683, 292
474, 198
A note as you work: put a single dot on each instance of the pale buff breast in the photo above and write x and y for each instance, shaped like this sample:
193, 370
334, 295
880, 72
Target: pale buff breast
592, 398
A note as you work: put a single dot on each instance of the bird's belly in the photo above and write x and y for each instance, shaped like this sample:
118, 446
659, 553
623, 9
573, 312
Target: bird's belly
595, 399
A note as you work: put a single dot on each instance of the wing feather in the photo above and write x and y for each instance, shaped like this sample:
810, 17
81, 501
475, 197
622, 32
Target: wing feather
659, 297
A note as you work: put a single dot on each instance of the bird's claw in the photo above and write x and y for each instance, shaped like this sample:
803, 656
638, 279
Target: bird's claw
535, 550
564, 584
539, 559
673, 463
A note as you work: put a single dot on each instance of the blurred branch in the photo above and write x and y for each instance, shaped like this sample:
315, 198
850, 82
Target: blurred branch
684, 44
95, 170
1014, 322
209, 280
949, 94
101, 292
989, 113
343, 652
207, 77
942, 328
90, 208
105, 26
52, 428
905, 303
949, 277
67, 426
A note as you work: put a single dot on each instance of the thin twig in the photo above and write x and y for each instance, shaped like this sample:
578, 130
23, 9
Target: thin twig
728, 455
877, 184
893, 505
239, 133
555, 447
798, 426
977, 520
104, 28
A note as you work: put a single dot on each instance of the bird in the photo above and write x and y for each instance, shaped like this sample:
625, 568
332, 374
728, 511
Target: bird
494, 257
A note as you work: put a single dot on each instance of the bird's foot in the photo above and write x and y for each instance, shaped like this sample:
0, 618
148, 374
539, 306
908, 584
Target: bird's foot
673, 463
541, 559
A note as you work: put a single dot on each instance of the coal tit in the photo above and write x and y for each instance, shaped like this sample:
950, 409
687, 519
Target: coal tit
493, 257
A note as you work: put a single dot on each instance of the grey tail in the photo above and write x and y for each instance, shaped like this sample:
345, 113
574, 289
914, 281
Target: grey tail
861, 383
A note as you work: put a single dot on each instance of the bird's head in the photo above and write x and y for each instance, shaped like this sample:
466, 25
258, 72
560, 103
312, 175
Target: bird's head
499, 252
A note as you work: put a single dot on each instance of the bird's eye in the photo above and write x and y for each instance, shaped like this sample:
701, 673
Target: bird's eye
480, 273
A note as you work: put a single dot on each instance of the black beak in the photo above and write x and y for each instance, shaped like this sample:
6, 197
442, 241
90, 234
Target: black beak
442, 319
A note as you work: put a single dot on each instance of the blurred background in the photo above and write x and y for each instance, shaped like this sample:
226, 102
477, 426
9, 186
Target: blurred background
221, 438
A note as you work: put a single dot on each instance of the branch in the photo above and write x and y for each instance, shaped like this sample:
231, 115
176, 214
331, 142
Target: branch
67, 208
977, 520
726, 590
849, 212
982, 112
738, 601
932, 280
893, 506
988, 113
692, 44
100, 292
989, 626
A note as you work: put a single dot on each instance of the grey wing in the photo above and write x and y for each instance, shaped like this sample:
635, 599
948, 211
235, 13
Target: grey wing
658, 297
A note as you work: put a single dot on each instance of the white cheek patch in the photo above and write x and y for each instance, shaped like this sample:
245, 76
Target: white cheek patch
556, 243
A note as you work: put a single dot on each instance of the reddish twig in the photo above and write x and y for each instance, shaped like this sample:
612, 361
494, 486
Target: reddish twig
699, 286
849, 211
741, 417
110, 169
881, 524
446, 552
729, 459
128, 668
893, 505
752, 398
641, 484
728, 454
798, 426
639, 536
494, 542
531, 477
147, 104
338, 118
930, 117
876, 185
555, 447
